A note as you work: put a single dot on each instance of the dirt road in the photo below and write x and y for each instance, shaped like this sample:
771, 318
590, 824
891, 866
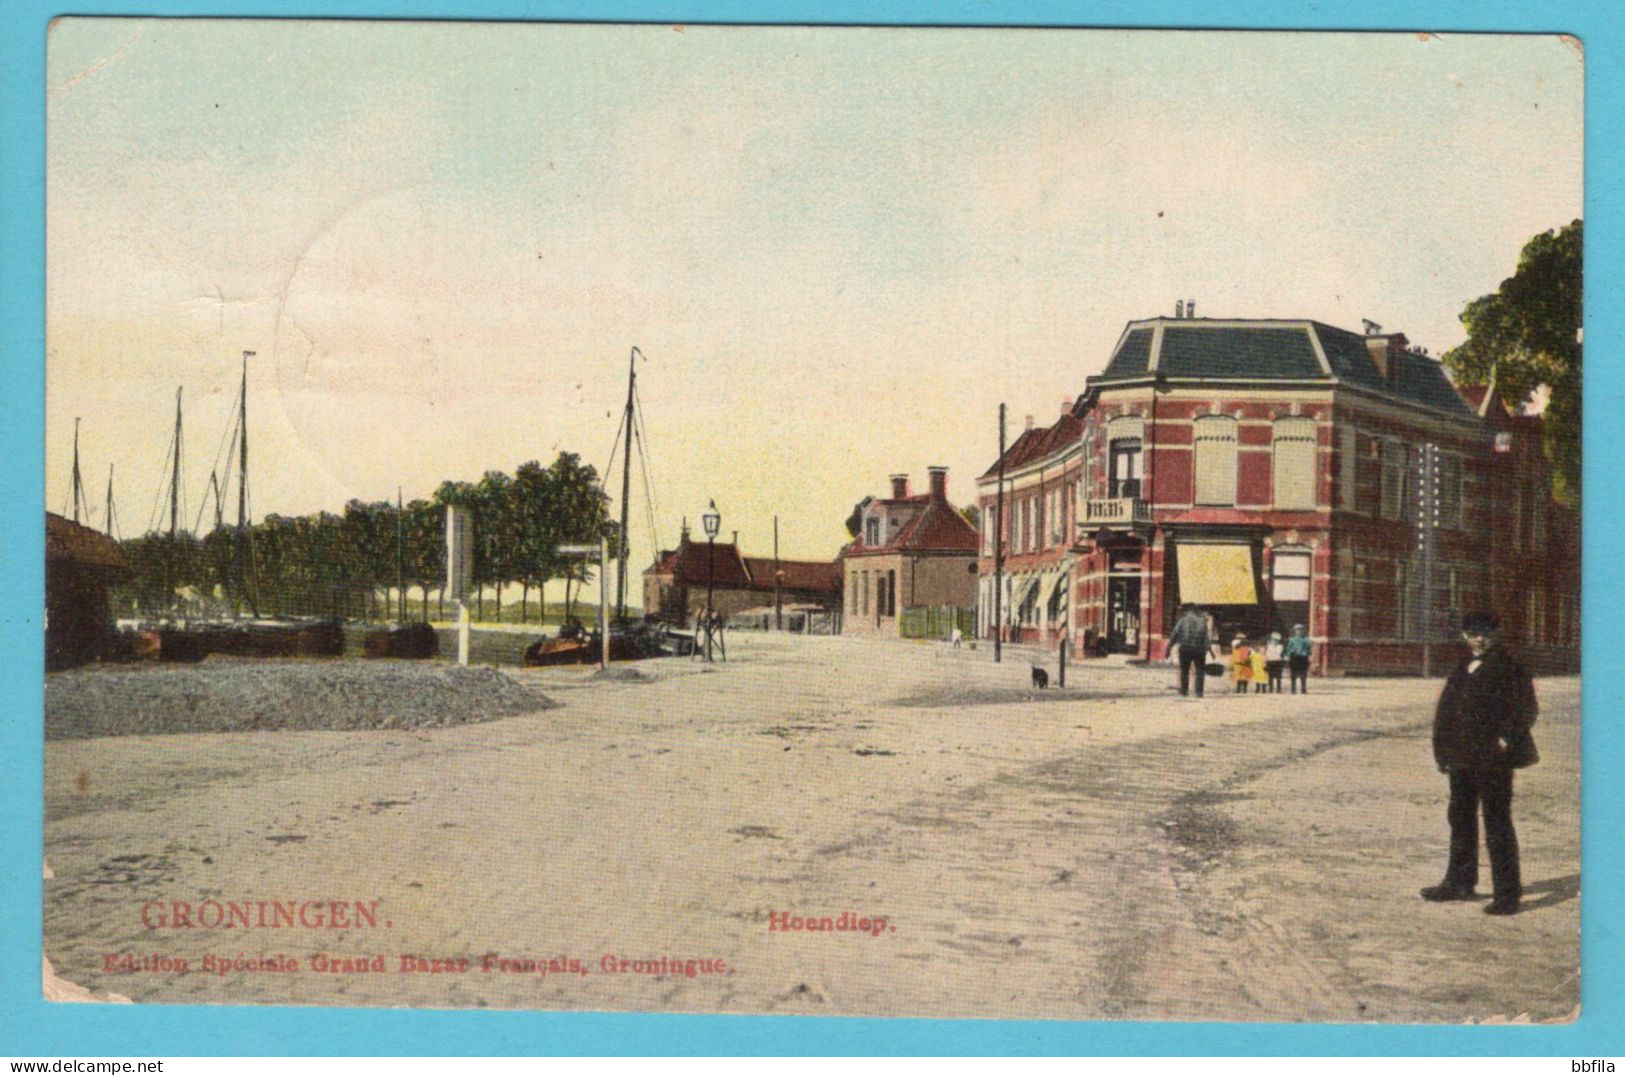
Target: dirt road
1108, 851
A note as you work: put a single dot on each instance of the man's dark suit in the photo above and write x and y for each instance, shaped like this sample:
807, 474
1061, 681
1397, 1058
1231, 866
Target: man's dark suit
1480, 735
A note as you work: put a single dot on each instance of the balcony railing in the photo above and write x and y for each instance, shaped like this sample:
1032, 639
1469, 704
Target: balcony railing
1120, 510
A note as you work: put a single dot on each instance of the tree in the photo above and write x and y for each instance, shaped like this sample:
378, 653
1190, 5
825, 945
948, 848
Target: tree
972, 514
1527, 335
536, 531
425, 528
494, 535
855, 520
582, 512
370, 532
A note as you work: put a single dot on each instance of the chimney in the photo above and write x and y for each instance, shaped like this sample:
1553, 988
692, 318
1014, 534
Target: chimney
685, 531
939, 484
1385, 354
1190, 308
899, 486
736, 539
1066, 404
1029, 423
1179, 309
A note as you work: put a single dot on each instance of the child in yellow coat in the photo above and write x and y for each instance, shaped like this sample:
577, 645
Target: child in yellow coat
1260, 672
1241, 664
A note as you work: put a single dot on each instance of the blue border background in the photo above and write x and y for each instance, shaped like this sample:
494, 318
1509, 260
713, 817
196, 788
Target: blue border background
29, 1026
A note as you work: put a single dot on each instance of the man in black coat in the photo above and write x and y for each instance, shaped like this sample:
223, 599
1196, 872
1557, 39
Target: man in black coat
1189, 641
1480, 735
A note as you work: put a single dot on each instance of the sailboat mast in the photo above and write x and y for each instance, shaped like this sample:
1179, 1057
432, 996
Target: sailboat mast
78, 485
214, 491
626, 487
242, 442
174, 507
175, 477
400, 556
241, 538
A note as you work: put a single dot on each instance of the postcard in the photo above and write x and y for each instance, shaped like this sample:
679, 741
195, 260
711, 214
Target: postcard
805, 520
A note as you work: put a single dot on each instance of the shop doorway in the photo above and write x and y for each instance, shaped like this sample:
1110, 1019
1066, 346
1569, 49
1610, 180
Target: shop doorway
1123, 614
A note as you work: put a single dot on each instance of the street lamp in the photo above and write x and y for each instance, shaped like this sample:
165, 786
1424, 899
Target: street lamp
712, 520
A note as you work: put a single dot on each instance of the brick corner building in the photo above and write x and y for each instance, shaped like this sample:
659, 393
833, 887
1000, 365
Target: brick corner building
1279, 472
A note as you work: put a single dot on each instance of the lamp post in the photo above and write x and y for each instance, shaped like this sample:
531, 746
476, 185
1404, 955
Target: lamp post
712, 520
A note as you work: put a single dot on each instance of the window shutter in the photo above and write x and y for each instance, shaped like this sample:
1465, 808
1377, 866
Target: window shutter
1216, 461
1294, 463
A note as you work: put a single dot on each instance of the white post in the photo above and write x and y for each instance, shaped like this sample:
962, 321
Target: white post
459, 569
603, 602
463, 630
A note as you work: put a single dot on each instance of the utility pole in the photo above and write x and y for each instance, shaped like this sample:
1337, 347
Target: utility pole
778, 577
998, 553
109, 519
1427, 518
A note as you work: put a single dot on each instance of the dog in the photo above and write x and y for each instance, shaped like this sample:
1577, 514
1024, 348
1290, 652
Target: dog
1040, 678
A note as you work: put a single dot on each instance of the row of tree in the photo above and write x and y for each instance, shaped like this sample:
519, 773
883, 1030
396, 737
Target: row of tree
351, 564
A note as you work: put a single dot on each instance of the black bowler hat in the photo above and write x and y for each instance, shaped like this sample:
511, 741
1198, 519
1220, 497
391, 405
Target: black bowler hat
1480, 623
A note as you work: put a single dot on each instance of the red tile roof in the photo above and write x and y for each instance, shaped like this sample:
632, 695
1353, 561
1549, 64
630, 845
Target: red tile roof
693, 565
798, 574
938, 529
690, 565
1034, 444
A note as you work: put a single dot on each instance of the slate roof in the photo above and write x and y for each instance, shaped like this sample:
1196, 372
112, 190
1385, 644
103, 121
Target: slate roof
1273, 351
1276, 350
1131, 356
1262, 350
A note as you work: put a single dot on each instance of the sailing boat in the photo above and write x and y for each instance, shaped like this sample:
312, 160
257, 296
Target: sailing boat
627, 640
252, 636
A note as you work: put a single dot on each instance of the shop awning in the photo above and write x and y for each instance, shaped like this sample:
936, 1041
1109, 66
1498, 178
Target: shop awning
1057, 595
1216, 574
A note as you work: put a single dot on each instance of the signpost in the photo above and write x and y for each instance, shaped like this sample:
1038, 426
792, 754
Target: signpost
460, 570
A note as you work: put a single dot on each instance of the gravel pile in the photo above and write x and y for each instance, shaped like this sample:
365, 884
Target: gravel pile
264, 695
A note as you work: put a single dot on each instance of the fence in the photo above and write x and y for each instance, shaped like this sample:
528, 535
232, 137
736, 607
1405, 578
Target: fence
937, 622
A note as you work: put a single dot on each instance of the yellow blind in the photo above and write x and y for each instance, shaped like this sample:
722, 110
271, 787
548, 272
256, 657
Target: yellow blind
1217, 575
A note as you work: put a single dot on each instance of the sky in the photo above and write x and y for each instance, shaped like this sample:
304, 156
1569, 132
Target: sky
838, 249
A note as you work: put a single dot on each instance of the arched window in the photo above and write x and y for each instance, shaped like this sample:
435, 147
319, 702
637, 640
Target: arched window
1294, 463
1216, 460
